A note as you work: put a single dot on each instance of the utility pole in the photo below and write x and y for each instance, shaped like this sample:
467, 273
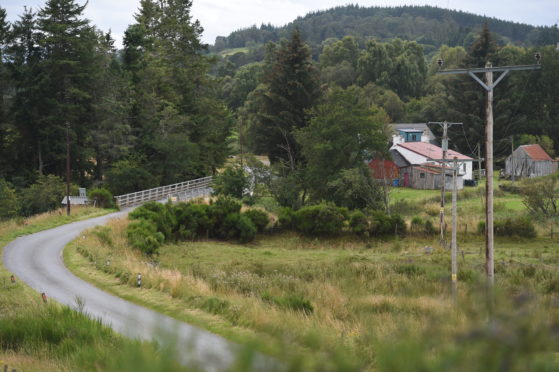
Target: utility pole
489, 85
445, 125
68, 168
454, 244
479, 162
512, 158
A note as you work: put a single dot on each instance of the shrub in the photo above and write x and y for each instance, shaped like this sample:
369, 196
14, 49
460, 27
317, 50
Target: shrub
520, 226
383, 224
9, 204
286, 218
541, 196
238, 226
160, 214
359, 223
143, 235
259, 218
193, 220
43, 196
102, 198
231, 182
320, 219
428, 228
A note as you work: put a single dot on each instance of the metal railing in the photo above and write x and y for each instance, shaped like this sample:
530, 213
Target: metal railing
199, 187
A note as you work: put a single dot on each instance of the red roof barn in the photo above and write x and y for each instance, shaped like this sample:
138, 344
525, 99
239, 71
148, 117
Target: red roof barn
383, 169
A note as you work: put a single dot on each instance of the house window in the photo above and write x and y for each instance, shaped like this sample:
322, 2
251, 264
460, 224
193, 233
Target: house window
421, 175
464, 167
413, 137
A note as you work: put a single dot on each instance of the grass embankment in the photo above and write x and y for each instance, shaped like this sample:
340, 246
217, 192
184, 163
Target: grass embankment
48, 337
348, 304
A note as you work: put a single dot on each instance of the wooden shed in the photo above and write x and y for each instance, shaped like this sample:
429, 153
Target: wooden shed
530, 161
428, 177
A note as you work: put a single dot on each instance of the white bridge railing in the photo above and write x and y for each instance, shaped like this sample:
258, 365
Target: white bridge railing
199, 187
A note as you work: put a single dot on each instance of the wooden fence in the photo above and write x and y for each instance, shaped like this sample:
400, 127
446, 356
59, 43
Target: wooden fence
199, 187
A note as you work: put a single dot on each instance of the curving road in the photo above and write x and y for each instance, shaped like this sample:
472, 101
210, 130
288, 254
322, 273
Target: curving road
37, 260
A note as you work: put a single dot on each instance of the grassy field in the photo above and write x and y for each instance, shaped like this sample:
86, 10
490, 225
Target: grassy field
48, 337
347, 304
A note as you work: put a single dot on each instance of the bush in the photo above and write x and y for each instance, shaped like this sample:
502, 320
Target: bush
193, 220
43, 196
359, 223
231, 182
286, 218
237, 226
162, 215
9, 203
102, 198
259, 218
541, 196
143, 235
321, 219
416, 224
428, 228
520, 227
383, 224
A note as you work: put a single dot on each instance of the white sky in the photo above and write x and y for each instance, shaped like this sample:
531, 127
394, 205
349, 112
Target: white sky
221, 17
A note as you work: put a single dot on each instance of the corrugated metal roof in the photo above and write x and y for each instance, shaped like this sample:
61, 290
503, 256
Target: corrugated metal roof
536, 152
431, 151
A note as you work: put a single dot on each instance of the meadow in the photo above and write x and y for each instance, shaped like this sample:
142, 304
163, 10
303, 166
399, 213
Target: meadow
349, 303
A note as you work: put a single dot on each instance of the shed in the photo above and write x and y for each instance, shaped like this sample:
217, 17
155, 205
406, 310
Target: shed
428, 177
530, 161
382, 169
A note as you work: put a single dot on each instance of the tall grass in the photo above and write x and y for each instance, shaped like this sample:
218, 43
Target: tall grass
361, 293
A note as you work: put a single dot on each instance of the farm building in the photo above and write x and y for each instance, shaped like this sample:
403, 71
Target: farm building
384, 170
419, 153
428, 176
530, 161
412, 132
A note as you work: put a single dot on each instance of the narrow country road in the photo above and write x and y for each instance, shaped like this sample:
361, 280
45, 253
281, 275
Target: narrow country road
37, 260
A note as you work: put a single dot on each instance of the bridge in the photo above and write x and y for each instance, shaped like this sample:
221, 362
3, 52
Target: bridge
187, 190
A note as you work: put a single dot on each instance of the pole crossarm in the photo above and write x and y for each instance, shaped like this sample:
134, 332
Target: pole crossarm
489, 69
504, 69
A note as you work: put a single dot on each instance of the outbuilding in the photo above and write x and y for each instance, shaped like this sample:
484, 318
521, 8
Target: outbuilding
530, 161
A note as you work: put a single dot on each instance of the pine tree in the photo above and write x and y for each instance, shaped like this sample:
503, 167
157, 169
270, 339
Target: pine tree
290, 88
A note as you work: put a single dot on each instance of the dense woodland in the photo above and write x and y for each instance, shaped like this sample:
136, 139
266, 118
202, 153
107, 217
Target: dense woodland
165, 108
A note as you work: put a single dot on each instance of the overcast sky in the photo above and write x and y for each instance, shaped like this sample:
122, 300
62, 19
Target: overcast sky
221, 17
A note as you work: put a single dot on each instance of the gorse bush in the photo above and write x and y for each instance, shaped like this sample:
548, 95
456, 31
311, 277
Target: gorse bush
231, 182
359, 223
259, 218
102, 198
383, 224
321, 219
162, 215
43, 196
143, 235
520, 226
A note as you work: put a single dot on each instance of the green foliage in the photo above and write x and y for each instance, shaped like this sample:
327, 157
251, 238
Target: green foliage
143, 235
128, 176
359, 223
332, 172
293, 302
231, 182
320, 220
286, 218
44, 195
541, 196
102, 198
236, 226
522, 227
259, 218
193, 220
383, 224
9, 204
161, 215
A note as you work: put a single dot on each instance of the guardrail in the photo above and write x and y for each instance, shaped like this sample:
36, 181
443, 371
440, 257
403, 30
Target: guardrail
163, 192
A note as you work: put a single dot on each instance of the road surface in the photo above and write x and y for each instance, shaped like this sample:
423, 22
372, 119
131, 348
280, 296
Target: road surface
37, 260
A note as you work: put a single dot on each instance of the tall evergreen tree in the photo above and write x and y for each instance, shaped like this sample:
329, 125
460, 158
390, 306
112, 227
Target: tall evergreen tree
290, 88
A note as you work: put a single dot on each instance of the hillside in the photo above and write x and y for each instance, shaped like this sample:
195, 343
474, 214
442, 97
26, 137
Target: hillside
430, 26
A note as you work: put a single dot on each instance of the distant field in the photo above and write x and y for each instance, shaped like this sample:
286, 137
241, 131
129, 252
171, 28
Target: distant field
230, 52
345, 303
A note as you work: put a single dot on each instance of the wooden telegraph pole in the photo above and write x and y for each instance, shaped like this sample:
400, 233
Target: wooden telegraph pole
445, 125
489, 85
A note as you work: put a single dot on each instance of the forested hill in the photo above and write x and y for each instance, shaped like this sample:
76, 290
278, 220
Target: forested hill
430, 26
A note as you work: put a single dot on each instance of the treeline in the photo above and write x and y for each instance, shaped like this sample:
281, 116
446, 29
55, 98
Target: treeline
134, 118
430, 26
